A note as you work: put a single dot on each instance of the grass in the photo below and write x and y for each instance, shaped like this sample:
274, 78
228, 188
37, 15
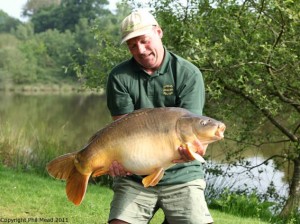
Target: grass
37, 199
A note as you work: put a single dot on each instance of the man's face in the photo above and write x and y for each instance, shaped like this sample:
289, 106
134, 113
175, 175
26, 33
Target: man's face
148, 49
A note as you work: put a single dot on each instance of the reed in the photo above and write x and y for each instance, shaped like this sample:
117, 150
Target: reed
27, 148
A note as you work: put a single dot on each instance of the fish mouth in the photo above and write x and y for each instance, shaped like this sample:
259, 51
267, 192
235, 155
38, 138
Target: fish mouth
220, 131
215, 133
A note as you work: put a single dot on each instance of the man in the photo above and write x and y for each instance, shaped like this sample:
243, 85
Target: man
155, 77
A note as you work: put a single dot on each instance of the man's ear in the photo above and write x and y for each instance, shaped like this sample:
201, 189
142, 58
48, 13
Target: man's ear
160, 32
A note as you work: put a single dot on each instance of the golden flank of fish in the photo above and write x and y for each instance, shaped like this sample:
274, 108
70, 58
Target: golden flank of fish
145, 142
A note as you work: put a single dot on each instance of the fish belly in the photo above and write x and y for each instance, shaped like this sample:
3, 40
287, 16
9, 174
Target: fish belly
145, 156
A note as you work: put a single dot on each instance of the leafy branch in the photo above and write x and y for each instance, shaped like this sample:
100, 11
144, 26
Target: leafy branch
249, 168
264, 111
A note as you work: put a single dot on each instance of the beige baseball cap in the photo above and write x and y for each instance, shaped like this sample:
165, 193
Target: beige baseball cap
138, 23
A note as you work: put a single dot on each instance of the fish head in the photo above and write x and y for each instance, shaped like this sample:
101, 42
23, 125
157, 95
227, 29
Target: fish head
207, 129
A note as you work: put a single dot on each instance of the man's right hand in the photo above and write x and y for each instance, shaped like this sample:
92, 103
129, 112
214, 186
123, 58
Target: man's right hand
116, 169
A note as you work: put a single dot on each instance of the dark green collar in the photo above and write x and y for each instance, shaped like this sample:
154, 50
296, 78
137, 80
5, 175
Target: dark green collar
164, 67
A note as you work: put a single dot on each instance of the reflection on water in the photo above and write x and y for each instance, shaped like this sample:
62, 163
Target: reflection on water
252, 167
260, 179
72, 119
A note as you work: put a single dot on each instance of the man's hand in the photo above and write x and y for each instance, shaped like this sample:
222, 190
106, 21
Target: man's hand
116, 169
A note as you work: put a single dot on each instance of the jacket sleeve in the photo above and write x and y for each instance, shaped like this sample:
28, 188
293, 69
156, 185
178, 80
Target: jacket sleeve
192, 92
119, 101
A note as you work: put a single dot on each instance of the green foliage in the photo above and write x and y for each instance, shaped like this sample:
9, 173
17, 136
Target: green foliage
107, 53
292, 218
40, 58
248, 56
74, 10
250, 205
24, 31
47, 53
13, 62
58, 40
67, 14
245, 205
59, 47
246, 50
33, 6
7, 23
94, 72
47, 18
83, 35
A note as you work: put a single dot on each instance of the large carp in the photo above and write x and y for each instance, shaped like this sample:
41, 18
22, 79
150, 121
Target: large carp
145, 142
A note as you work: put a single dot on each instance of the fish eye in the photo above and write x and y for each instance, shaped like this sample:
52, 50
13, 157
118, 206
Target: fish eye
204, 122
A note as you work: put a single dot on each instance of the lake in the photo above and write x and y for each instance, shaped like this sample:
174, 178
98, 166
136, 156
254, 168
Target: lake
71, 119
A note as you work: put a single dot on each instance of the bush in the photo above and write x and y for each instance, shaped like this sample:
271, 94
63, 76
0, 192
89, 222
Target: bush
243, 204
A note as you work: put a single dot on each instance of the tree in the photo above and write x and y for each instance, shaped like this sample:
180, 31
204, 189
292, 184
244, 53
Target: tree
74, 10
15, 67
33, 6
59, 49
107, 53
47, 18
64, 14
24, 31
7, 23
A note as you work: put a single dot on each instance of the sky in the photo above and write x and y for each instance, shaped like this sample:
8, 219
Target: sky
14, 7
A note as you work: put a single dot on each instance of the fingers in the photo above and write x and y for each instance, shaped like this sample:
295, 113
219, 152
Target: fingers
185, 155
116, 169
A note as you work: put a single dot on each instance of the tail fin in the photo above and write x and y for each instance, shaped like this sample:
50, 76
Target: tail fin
63, 168
76, 186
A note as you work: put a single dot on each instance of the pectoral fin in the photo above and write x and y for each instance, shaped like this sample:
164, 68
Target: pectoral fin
194, 154
153, 178
99, 172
